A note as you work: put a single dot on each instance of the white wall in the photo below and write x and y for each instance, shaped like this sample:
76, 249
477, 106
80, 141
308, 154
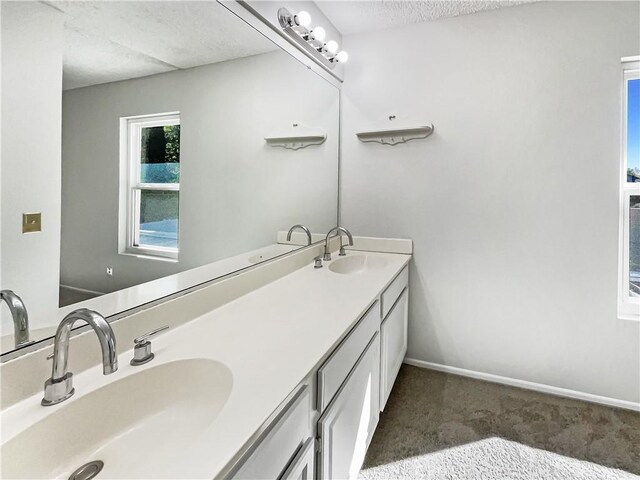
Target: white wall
236, 191
513, 202
31, 88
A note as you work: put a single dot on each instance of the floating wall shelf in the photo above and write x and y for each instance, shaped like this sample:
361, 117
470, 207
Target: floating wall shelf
394, 136
299, 137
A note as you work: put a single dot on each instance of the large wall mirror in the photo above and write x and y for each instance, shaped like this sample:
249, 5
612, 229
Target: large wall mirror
189, 140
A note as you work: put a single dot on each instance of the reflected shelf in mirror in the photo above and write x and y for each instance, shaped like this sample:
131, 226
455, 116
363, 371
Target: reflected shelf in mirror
298, 137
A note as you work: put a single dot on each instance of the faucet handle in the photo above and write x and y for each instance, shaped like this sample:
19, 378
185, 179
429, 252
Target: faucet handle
142, 350
148, 335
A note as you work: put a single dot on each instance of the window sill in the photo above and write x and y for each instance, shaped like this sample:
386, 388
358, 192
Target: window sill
630, 317
147, 256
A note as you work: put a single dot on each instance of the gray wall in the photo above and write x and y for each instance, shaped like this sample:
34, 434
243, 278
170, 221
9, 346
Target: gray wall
236, 192
513, 202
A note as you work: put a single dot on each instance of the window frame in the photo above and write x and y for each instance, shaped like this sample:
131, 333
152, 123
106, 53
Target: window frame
132, 187
628, 306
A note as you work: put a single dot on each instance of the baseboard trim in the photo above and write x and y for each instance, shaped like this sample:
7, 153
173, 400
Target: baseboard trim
83, 290
514, 382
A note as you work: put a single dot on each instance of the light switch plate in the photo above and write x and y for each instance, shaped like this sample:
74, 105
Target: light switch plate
31, 222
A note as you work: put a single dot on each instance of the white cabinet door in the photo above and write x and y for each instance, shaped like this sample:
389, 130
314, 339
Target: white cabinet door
302, 467
347, 426
273, 452
393, 335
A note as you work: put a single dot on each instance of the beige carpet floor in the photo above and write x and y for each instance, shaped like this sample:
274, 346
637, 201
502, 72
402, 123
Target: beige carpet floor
433, 421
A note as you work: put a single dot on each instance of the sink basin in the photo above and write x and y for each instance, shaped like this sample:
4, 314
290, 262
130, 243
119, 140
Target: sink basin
356, 264
137, 425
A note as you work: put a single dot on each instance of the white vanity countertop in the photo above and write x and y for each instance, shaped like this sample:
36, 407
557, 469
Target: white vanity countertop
270, 339
128, 298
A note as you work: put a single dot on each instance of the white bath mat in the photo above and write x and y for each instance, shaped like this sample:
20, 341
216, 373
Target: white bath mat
493, 459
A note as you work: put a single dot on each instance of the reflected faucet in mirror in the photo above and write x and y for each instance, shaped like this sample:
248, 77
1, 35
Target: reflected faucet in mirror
332, 233
59, 387
19, 315
301, 227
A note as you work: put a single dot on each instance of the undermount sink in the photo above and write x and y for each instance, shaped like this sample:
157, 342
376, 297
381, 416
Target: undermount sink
136, 426
356, 264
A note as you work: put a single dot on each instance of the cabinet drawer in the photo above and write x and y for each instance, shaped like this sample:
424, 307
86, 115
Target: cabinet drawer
281, 440
393, 291
334, 371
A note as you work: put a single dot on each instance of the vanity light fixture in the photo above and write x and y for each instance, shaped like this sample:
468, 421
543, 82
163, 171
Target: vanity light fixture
319, 34
315, 37
311, 39
303, 19
342, 56
332, 46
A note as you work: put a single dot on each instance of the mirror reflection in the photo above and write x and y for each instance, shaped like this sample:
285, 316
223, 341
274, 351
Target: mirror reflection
188, 141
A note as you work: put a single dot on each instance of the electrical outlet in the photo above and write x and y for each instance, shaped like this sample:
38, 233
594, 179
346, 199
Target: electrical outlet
110, 271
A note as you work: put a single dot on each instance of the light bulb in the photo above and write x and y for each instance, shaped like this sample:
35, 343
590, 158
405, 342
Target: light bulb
303, 19
332, 46
319, 33
342, 56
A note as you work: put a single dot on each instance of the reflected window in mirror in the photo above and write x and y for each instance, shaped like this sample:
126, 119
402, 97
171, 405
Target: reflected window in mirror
150, 219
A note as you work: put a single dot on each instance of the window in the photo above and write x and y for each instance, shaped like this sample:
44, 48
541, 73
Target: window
629, 291
150, 150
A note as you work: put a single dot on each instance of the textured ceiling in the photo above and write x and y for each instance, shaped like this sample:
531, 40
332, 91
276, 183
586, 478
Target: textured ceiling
362, 16
107, 41
110, 41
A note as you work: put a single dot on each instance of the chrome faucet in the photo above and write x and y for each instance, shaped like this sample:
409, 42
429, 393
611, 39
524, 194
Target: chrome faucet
20, 317
60, 386
327, 254
301, 227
